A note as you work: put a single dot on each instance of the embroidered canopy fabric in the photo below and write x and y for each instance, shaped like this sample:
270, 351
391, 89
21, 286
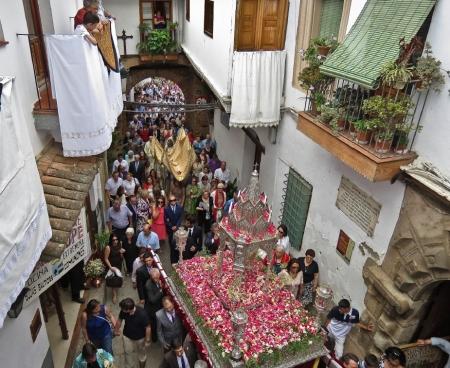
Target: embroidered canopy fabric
24, 223
89, 98
257, 88
374, 39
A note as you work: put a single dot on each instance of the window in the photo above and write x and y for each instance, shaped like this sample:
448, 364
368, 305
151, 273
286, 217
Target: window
261, 25
297, 197
2, 38
188, 10
208, 24
319, 18
148, 10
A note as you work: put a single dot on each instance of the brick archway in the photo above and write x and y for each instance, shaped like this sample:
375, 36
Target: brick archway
418, 259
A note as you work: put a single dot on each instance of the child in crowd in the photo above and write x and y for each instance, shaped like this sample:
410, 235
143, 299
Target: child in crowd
89, 26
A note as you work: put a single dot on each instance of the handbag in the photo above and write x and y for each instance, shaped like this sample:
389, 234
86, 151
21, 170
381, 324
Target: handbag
113, 280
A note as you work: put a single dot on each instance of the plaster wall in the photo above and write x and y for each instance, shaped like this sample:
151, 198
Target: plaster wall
61, 13
127, 18
212, 55
46, 16
16, 345
432, 144
15, 60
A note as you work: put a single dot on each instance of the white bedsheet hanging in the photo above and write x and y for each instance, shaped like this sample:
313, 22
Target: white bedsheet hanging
89, 99
24, 223
257, 88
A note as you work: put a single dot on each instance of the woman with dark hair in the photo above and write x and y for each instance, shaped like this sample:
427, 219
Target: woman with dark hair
96, 322
283, 238
91, 357
113, 259
192, 196
158, 225
310, 270
393, 357
292, 277
204, 211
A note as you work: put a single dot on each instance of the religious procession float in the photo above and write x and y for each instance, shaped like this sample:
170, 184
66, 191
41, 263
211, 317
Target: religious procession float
238, 312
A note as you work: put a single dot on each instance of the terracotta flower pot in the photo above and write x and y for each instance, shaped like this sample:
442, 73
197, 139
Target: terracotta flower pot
96, 282
363, 136
341, 124
352, 130
323, 50
383, 145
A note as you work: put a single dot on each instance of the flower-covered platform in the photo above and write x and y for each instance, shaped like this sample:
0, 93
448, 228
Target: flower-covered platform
279, 332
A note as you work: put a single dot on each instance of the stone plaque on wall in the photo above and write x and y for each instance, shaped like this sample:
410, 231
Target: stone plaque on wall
358, 206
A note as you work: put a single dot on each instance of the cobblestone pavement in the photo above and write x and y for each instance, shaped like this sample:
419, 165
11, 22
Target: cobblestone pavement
104, 294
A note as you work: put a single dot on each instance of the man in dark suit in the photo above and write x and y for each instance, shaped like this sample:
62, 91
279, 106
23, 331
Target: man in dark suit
132, 206
137, 169
181, 355
173, 214
194, 240
153, 299
143, 275
168, 324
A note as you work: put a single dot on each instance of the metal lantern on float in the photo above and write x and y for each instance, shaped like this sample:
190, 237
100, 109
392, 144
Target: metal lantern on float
181, 236
324, 294
248, 229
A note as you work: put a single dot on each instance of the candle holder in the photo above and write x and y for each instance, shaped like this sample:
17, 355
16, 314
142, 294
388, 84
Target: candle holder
323, 297
239, 320
181, 236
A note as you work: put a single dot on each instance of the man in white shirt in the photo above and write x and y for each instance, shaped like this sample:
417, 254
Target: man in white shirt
89, 26
120, 162
222, 173
112, 184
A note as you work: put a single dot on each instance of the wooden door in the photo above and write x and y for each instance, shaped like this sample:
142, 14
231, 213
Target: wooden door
261, 25
247, 18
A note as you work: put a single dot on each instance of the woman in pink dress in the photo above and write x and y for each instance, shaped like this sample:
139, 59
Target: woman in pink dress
158, 225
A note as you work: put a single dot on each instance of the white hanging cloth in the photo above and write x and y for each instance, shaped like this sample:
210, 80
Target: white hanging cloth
257, 88
24, 223
89, 99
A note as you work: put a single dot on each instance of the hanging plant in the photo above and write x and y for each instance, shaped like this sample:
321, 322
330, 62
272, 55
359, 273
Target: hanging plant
428, 71
396, 75
157, 41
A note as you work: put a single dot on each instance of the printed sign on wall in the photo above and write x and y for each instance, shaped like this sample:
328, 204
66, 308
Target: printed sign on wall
47, 274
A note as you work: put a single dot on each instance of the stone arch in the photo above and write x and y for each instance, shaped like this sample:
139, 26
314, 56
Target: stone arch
184, 76
418, 259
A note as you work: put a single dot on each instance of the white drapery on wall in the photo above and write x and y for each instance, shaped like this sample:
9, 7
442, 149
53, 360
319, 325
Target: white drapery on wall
89, 99
24, 223
257, 88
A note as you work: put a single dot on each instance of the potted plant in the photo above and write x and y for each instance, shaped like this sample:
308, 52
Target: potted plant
386, 108
158, 44
327, 114
339, 122
401, 137
364, 129
94, 270
351, 126
324, 45
428, 70
396, 74
383, 140
101, 241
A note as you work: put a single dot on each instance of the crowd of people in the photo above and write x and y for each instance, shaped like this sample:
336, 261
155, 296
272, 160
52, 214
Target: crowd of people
148, 206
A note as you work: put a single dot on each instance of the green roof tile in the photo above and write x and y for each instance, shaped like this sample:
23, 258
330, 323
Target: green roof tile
374, 39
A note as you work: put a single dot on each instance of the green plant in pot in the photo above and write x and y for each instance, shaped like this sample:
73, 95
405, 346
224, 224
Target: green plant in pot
364, 129
339, 120
324, 45
402, 135
94, 270
396, 75
101, 241
327, 114
156, 41
428, 71
383, 139
387, 108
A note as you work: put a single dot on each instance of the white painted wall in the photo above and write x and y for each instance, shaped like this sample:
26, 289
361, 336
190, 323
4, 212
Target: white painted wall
61, 13
432, 144
15, 60
16, 345
127, 18
46, 16
211, 55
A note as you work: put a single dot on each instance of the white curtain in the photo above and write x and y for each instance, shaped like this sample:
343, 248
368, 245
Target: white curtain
257, 88
24, 223
89, 99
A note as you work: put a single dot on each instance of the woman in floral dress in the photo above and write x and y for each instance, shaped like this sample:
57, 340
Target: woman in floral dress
143, 210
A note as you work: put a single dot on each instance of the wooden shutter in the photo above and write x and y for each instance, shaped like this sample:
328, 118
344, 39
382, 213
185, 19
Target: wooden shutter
247, 18
261, 25
208, 25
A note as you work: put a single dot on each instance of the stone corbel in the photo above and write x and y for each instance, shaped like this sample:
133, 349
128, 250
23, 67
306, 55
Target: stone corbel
375, 276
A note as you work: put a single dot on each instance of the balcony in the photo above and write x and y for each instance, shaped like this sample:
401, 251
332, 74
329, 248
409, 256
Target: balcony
372, 131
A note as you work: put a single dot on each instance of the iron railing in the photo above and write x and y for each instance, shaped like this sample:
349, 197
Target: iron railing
383, 121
